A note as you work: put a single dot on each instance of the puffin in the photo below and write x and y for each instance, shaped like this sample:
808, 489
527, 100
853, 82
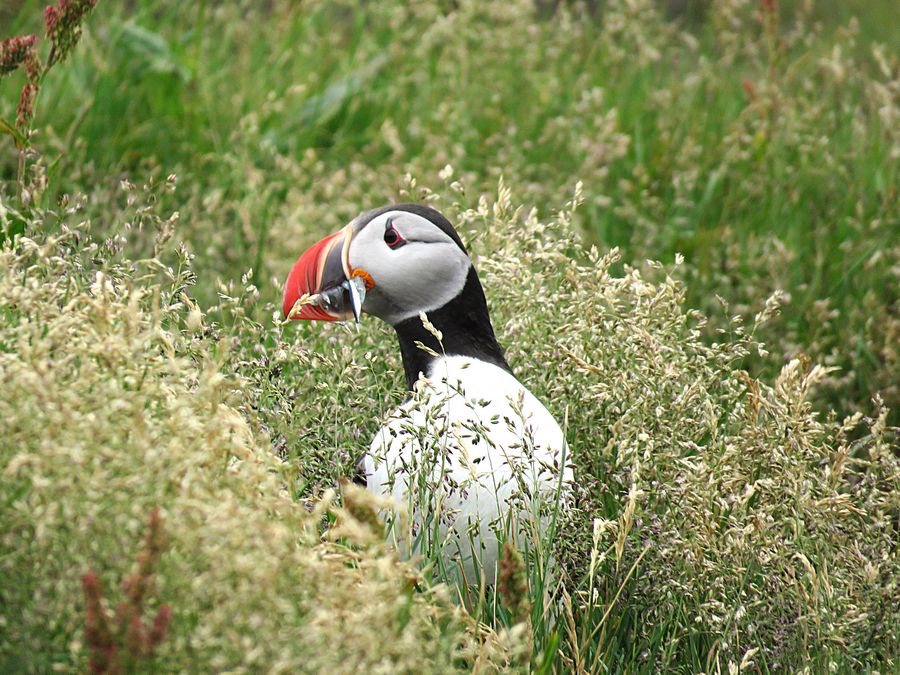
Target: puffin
471, 457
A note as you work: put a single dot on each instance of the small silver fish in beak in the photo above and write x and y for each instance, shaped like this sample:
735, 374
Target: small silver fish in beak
323, 281
335, 299
357, 288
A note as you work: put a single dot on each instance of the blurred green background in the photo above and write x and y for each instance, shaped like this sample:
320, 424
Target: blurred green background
766, 155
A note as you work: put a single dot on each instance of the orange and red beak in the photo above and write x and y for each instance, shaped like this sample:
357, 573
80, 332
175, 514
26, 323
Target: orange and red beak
323, 274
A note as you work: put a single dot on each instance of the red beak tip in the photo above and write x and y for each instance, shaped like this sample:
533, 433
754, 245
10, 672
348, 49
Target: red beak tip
305, 277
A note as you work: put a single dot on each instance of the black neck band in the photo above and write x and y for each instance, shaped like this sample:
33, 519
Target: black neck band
466, 329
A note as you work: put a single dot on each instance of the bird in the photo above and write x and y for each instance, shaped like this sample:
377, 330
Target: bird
472, 456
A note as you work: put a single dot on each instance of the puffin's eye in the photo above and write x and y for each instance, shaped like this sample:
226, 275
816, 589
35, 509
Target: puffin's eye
392, 238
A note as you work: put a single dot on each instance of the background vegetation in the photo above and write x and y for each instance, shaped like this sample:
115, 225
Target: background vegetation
730, 413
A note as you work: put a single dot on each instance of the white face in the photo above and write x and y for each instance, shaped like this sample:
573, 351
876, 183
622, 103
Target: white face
421, 272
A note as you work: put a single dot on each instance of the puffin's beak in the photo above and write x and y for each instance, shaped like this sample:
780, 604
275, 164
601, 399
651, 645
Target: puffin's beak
322, 281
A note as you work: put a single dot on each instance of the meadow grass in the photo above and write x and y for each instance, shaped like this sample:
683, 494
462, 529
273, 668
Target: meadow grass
729, 409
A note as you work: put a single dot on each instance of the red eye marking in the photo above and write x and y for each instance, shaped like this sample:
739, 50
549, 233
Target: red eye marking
393, 238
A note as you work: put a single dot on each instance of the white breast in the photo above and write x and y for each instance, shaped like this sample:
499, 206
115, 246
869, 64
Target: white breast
470, 452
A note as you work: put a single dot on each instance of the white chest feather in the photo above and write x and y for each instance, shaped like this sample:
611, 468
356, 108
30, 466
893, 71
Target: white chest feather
470, 452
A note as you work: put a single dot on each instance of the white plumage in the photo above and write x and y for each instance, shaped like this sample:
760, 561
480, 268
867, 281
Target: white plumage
473, 445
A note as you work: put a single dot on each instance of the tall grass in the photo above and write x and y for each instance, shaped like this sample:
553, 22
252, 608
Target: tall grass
119, 400
725, 519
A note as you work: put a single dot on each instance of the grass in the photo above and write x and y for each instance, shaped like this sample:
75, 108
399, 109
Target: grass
730, 414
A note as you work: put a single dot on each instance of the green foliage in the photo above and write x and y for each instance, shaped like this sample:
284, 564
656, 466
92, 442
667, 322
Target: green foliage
117, 399
725, 519
736, 524
761, 145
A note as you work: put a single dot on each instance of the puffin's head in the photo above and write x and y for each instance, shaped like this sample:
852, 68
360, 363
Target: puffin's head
393, 262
